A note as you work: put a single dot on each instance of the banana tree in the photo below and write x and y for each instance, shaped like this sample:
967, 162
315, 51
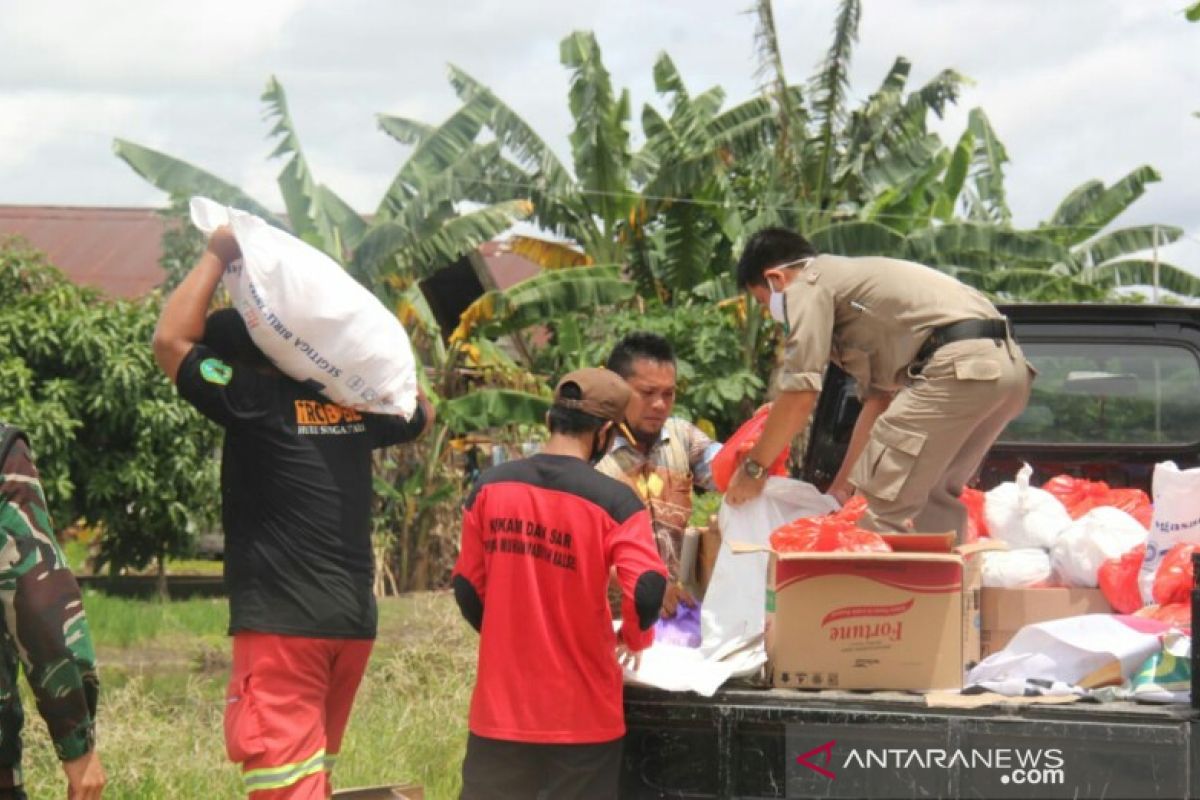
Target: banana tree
418, 227
829, 162
589, 202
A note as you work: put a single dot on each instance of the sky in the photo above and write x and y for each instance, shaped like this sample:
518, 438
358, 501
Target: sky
1076, 89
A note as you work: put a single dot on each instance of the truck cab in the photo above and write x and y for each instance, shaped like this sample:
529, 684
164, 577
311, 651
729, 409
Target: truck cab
1118, 391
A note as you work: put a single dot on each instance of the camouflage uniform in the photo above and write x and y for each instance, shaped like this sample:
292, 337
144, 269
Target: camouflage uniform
44, 626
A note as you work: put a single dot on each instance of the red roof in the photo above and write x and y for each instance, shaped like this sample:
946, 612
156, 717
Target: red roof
117, 250
113, 249
506, 267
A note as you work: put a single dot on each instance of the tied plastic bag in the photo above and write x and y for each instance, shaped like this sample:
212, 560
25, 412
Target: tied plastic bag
1089, 541
1024, 516
1016, 569
826, 534
681, 630
734, 613
738, 446
1118, 579
1173, 581
1176, 519
853, 510
977, 527
1079, 496
315, 322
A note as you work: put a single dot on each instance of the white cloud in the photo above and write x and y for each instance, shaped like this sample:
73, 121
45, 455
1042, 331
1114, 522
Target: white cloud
1076, 88
136, 44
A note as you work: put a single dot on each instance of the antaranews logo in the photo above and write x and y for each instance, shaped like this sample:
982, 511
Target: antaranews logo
1019, 766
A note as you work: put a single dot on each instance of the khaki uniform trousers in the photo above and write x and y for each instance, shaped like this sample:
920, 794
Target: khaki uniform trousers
933, 437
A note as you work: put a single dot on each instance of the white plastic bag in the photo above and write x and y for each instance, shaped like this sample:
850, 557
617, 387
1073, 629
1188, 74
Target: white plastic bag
734, 610
1176, 495
1015, 569
1024, 516
315, 322
1089, 541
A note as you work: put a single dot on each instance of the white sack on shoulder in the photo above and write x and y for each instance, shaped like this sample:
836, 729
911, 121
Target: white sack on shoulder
1015, 569
315, 322
1176, 495
1024, 516
1089, 541
733, 614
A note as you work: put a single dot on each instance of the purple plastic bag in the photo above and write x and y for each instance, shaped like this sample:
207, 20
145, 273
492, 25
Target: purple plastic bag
681, 630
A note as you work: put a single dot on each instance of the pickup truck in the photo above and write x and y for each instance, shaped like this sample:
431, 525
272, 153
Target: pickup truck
1118, 391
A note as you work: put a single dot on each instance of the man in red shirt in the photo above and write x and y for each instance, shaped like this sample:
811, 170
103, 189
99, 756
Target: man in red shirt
539, 538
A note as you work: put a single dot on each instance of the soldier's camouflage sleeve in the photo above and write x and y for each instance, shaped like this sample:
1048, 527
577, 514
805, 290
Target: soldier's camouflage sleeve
43, 617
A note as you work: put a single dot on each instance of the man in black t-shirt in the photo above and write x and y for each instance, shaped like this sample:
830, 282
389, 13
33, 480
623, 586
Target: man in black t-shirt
296, 498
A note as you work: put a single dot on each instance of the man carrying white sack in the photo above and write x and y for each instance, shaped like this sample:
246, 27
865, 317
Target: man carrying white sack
296, 505
935, 363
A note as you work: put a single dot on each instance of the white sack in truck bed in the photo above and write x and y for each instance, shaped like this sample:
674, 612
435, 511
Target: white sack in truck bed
315, 322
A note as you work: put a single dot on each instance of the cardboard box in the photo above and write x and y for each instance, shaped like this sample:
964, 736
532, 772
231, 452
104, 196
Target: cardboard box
905, 620
1003, 612
706, 558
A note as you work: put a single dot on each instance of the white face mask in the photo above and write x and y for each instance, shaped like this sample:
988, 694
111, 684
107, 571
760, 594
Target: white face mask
778, 307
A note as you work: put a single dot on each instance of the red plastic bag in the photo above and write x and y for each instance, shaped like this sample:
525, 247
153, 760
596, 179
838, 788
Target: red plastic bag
1173, 581
1119, 580
1080, 496
853, 510
826, 534
1177, 614
1134, 502
977, 527
734, 451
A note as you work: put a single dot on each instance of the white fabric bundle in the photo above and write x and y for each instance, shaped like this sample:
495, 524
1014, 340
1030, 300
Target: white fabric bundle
315, 322
1024, 516
1016, 569
1089, 541
1070, 650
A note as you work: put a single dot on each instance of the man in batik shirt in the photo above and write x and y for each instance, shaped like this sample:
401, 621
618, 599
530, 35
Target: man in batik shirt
668, 457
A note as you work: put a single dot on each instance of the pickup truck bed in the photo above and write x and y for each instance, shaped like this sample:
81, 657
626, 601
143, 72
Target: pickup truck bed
1118, 391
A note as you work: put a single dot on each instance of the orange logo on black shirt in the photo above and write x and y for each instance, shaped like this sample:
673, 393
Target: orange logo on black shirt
312, 412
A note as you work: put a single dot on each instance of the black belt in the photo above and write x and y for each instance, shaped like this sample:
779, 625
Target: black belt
961, 331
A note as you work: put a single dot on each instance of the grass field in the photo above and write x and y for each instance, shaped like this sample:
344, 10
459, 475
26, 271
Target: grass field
163, 669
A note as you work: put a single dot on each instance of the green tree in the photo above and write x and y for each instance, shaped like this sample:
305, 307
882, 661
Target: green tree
116, 447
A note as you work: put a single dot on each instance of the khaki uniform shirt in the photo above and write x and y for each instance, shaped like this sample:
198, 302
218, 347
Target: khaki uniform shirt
869, 316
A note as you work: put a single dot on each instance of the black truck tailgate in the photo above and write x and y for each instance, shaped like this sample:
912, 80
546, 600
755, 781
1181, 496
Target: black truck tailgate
752, 743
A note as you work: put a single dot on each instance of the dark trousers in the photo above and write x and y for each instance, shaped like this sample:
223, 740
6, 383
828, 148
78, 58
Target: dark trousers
500, 770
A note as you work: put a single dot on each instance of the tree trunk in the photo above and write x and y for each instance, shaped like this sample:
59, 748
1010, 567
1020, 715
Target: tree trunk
161, 590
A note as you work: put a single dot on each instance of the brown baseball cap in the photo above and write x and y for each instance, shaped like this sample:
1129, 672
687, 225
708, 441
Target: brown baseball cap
602, 393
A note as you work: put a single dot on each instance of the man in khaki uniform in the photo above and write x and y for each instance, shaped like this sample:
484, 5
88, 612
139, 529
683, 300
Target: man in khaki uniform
936, 367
